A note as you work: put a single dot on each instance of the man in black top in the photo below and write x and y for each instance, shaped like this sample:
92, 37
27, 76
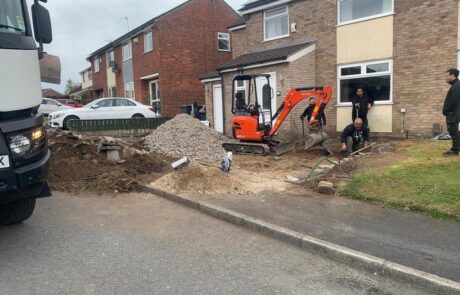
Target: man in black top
451, 110
308, 112
355, 136
361, 105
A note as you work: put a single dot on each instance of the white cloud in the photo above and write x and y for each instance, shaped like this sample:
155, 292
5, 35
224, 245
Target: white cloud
81, 27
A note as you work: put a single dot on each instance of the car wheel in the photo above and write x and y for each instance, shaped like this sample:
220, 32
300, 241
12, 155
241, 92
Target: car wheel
66, 123
138, 116
16, 212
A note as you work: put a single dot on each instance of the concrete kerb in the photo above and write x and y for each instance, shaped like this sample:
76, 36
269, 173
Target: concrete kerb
332, 251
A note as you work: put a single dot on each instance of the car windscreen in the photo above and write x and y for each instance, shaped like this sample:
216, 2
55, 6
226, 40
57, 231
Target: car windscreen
12, 17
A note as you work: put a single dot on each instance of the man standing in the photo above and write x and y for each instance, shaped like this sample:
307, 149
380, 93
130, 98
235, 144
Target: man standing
354, 136
361, 105
308, 112
451, 110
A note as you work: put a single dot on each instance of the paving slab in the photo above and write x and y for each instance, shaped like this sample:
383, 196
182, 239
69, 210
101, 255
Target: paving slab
410, 239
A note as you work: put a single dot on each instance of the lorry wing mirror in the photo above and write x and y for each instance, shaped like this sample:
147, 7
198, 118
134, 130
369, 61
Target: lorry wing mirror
42, 24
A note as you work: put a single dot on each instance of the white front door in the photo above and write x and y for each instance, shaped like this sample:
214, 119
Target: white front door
218, 108
155, 96
266, 105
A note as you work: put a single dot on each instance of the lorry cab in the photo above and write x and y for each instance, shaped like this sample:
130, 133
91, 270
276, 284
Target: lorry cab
24, 154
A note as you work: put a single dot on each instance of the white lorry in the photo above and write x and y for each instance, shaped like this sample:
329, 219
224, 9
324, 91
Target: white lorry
24, 154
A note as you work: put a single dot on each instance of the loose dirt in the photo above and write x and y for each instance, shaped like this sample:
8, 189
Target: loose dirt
76, 166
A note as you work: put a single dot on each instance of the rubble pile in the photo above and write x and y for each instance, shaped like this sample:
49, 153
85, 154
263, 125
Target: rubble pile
100, 164
185, 136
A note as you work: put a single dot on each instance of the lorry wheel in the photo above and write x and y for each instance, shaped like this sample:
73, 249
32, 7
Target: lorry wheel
66, 122
16, 212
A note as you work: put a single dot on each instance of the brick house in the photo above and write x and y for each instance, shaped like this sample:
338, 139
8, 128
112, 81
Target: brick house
161, 61
86, 92
398, 50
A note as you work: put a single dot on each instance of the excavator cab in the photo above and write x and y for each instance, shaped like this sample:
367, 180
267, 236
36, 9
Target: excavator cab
250, 122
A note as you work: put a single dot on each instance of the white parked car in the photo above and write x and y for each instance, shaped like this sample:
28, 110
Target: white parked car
49, 105
103, 108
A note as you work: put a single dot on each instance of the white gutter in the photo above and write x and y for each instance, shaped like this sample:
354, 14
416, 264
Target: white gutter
266, 6
237, 28
210, 80
149, 77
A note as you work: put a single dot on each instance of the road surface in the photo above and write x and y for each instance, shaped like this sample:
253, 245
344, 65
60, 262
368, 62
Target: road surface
140, 244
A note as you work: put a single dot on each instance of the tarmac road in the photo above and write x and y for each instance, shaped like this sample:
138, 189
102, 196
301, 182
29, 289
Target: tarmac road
139, 244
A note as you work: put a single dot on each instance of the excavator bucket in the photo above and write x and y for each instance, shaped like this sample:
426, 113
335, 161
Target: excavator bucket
284, 147
314, 139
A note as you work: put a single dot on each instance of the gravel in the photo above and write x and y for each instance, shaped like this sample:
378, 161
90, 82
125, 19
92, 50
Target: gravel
186, 136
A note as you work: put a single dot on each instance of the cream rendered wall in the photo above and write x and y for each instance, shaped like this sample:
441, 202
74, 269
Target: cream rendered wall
367, 40
88, 83
111, 79
380, 118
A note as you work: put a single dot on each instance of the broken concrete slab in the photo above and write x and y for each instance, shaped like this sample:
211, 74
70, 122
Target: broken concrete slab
326, 188
113, 156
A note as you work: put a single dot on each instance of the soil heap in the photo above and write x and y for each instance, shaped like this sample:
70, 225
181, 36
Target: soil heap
186, 136
78, 165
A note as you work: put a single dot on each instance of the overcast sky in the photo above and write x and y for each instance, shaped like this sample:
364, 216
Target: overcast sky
81, 27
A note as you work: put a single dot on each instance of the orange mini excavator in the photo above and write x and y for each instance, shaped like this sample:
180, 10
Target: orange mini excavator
253, 122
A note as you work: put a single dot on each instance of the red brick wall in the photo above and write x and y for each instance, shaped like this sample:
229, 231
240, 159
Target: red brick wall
188, 49
100, 78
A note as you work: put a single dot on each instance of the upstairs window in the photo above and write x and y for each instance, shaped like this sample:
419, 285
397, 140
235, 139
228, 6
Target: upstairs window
224, 41
110, 57
276, 23
148, 41
127, 51
353, 10
96, 64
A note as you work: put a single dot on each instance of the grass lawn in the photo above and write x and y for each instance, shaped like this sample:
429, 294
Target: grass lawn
422, 180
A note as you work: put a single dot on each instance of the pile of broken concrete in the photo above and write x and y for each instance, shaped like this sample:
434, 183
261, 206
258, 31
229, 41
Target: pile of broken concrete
185, 136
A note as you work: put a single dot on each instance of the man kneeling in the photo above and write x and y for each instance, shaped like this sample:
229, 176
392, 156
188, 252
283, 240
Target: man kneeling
354, 137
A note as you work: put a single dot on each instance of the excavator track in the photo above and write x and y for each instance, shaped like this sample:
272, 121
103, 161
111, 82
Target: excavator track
246, 148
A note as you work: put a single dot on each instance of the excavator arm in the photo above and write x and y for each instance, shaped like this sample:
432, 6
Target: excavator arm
296, 95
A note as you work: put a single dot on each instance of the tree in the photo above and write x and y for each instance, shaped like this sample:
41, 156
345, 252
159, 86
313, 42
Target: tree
69, 86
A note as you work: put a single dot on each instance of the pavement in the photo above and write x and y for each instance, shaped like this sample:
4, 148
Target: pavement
410, 239
140, 244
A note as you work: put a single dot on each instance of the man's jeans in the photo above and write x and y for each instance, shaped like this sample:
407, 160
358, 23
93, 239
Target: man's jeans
352, 146
452, 127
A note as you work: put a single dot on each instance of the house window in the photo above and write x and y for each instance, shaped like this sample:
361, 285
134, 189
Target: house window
375, 78
129, 90
127, 51
96, 64
110, 58
240, 87
353, 10
276, 23
148, 41
83, 77
223, 41
90, 76
112, 91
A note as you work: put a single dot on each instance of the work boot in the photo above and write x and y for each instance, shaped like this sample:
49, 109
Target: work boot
450, 153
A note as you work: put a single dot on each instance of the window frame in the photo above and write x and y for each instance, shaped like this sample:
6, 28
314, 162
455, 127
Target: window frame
124, 57
97, 65
364, 74
228, 39
340, 23
109, 54
265, 23
151, 41
131, 90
